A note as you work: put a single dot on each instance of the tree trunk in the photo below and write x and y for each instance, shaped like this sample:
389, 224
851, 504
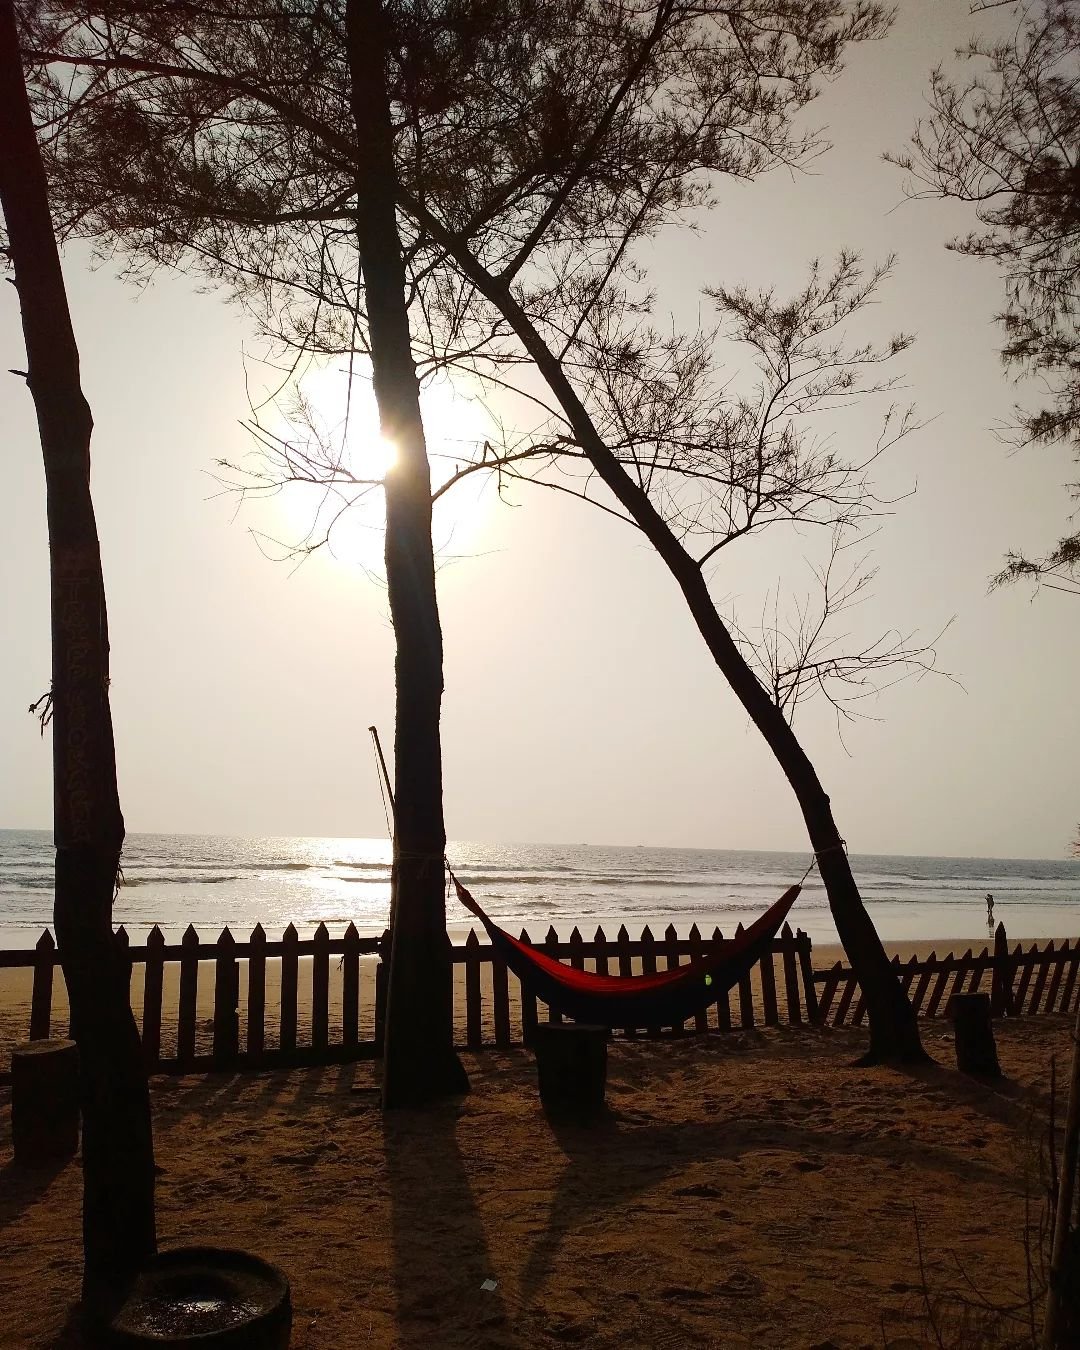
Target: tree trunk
118, 1159
419, 1062
894, 1031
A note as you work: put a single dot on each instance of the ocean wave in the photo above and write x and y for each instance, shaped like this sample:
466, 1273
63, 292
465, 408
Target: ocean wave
127, 881
22, 882
193, 865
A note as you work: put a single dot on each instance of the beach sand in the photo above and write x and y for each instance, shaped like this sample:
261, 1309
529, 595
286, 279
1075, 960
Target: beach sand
748, 1189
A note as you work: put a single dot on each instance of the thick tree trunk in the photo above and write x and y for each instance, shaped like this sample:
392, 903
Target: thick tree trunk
118, 1160
894, 1032
419, 1060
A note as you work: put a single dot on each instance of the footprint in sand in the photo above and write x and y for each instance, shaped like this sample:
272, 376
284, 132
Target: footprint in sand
701, 1189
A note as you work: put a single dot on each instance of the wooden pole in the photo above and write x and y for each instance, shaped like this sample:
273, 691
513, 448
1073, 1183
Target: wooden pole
385, 772
1052, 1322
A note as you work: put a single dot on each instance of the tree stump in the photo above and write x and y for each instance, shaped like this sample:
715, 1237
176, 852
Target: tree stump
45, 1100
976, 1052
571, 1064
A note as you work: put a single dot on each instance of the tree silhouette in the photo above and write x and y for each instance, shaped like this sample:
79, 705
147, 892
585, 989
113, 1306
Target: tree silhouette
117, 1145
537, 149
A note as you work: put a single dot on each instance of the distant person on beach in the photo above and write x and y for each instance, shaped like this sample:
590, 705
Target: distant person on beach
989, 909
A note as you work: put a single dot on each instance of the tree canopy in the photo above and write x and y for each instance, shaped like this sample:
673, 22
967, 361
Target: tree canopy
1006, 140
536, 145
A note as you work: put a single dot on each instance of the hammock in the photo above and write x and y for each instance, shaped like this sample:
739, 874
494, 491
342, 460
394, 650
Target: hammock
665, 999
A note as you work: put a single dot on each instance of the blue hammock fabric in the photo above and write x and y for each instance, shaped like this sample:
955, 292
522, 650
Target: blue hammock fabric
665, 999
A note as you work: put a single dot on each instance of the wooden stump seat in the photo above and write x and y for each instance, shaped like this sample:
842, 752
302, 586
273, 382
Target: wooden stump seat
976, 1051
45, 1100
571, 1064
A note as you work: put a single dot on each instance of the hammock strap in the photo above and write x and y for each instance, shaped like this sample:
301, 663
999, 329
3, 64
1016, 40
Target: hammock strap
820, 853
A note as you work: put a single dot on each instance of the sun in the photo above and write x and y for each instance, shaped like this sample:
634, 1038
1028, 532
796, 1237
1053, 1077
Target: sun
382, 455
336, 415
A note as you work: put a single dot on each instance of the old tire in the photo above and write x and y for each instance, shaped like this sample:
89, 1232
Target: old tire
205, 1296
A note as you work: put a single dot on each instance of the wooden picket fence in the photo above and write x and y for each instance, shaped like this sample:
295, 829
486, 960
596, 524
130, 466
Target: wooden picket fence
335, 1012
210, 1005
1021, 983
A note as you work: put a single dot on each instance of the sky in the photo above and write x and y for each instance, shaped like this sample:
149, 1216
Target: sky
581, 705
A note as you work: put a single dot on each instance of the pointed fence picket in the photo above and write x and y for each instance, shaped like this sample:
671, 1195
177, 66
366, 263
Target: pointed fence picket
1038, 980
723, 1005
192, 1023
226, 1001
350, 987
153, 976
41, 998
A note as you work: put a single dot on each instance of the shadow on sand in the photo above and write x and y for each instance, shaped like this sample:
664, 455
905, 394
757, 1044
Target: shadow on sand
22, 1186
614, 1158
441, 1263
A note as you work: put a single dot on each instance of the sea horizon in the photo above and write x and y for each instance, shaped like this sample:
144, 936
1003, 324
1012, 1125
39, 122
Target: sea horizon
213, 881
549, 843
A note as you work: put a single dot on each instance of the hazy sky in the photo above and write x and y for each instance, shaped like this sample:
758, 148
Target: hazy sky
581, 705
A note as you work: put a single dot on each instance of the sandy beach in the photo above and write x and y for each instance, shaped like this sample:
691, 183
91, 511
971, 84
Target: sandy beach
748, 1189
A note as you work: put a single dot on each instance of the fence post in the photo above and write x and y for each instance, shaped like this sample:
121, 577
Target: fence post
123, 946
851, 984
828, 992
626, 965
189, 988
1066, 998
152, 982
791, 978
1055, 983
382, 974
648, 964
723, 1006
671, 961
226, 999
926, 971
350, 988
528, 1000
256, 1017
41, 999
746, 994
601, 952
551, 942
1046, 958
1027, 960
697, 951
473, 1030
500, 998
320, 988
804, 947
944, 969
290, 959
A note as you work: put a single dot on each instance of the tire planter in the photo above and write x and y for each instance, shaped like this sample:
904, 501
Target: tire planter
207, 1297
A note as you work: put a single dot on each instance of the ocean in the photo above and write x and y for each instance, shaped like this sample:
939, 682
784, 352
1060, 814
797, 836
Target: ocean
212, 881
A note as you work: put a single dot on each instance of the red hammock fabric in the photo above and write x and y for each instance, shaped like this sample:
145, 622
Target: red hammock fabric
667, 998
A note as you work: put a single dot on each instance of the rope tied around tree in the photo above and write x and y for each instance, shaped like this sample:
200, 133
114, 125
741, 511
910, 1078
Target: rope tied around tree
820, 853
